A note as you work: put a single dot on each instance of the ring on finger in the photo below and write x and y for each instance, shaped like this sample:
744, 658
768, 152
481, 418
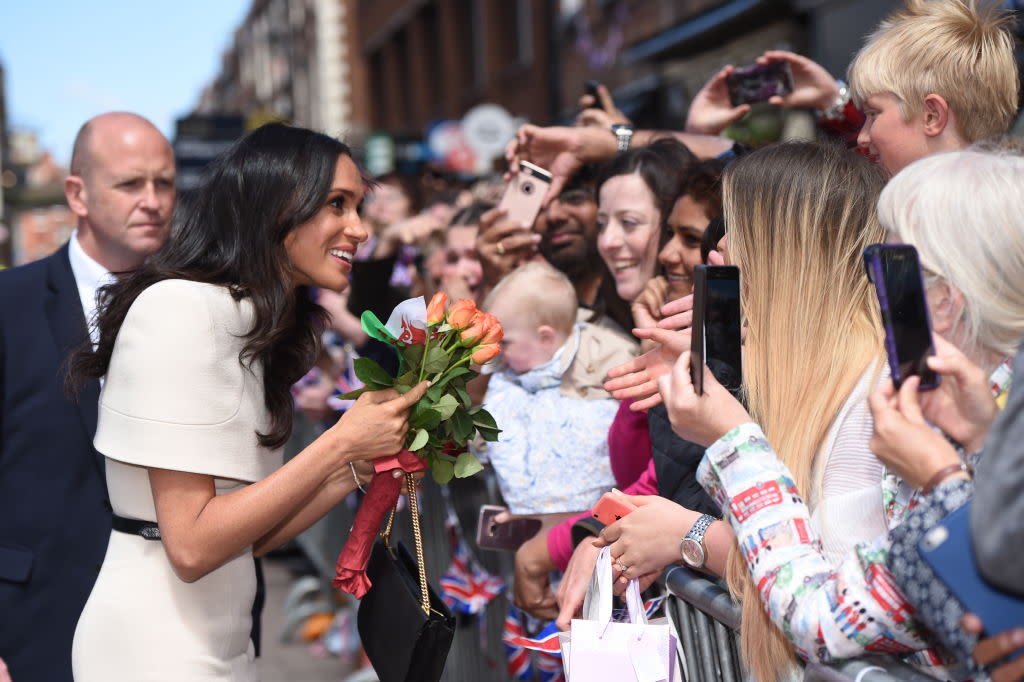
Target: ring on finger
500, 247
621, 567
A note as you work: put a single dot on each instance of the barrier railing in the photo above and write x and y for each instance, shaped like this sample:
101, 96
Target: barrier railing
708, 623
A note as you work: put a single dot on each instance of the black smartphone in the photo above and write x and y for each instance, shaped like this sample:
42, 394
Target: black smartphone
506, 536
715, 336
895, 271
759, 82
590, 88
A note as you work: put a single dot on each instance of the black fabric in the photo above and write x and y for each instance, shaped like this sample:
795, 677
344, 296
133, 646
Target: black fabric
675, 464
403, 643
144, 529
53, 493
587, 527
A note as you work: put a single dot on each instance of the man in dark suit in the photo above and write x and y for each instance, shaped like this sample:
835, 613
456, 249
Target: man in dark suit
54, 510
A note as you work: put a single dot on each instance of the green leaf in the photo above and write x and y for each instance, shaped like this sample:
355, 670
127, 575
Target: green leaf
444, 328
442, 471
466, 465
352, 395
462, 426
412, 354
372, 374
419, 440
424, 416
436, 360
409, 379
483, 418
434, 393
454, 374
446, 406
489, 435
463, 394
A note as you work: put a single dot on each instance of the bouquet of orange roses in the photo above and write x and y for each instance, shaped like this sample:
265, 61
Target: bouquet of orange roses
436, 344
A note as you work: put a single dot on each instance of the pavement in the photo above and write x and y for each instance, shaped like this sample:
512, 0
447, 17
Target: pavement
292, 661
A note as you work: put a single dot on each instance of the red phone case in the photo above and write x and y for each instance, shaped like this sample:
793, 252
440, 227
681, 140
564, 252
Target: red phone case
610, 508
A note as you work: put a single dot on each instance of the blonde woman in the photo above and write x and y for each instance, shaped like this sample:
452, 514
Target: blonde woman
799, 217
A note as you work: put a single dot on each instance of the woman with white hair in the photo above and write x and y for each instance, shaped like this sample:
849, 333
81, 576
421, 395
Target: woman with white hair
964, 212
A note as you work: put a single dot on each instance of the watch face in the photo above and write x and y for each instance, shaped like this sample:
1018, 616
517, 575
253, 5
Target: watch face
692, 552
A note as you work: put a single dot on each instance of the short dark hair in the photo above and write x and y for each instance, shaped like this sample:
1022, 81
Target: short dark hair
231, 231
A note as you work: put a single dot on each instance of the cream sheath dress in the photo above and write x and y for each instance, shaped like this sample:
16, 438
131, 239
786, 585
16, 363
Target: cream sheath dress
175, 397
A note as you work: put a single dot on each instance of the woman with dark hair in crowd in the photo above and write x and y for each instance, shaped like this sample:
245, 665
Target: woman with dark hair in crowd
198, 349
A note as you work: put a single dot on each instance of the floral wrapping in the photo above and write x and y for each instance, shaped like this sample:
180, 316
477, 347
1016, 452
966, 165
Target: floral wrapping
827, 612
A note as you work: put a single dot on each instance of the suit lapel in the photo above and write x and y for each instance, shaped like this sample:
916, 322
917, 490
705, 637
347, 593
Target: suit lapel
67, 322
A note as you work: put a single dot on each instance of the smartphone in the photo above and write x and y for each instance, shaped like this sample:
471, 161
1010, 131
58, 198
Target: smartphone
610, 508
895, 271
506, 536
524, 193
590, 88
715, 335
947, 549
759, 82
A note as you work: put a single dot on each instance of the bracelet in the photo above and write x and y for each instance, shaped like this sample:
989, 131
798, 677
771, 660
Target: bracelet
944, 473
835, 112
355, 477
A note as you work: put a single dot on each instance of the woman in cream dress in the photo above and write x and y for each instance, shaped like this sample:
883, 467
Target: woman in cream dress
199, 349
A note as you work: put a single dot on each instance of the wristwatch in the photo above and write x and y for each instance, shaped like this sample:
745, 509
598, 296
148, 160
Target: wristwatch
623, 135
692, 548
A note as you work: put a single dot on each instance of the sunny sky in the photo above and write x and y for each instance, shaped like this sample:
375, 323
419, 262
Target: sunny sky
66, 61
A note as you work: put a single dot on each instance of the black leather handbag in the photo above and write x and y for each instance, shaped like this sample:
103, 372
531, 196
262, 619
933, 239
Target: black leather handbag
404, 626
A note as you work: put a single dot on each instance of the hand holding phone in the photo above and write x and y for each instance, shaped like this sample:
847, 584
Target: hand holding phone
895, 271
590, 88
716, 333
759, 83
524, 193
506, 536
611, 508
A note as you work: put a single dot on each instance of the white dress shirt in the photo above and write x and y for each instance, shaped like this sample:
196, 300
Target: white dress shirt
90, 276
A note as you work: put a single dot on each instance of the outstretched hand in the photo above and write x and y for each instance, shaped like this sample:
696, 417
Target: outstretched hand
701, 419
561, 150
638, 378
711, 111
813, 86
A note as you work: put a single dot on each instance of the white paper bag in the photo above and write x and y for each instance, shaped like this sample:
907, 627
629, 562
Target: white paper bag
598, 649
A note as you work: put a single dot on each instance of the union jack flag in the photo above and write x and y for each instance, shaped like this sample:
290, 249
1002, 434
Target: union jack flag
467, 587
520, 666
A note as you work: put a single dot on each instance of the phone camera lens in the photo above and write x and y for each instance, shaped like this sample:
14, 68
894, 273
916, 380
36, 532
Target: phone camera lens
527, 188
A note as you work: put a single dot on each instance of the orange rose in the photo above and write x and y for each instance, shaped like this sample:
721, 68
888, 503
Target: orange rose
493, 333
485, 353
435, 311
473, 332
462, 314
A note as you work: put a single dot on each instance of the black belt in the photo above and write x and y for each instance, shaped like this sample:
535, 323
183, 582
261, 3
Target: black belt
146, 529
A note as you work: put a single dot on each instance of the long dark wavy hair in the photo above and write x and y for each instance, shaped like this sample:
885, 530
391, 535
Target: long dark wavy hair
230, 231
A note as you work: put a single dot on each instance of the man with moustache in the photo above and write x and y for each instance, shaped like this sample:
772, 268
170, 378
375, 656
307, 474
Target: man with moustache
53, 496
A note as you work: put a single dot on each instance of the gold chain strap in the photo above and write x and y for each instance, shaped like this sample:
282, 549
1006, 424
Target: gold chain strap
410, 483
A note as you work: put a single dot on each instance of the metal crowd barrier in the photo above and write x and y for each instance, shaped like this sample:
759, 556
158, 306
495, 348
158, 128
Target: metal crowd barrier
708, 621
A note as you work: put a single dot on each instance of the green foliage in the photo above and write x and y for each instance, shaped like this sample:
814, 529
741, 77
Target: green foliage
444, 420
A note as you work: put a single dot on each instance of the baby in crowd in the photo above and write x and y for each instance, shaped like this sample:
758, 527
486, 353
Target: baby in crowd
553, 452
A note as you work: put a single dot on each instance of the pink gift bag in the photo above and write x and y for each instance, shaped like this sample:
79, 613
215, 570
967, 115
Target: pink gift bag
597, 649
